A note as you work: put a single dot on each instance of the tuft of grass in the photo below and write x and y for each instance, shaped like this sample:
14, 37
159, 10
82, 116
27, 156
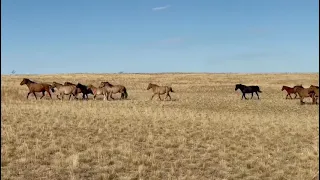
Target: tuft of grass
205, 132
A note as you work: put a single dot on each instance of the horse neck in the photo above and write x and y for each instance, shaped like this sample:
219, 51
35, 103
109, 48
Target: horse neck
153, 86
29, 83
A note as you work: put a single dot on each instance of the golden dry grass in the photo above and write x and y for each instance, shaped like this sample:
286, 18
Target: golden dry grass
206, 132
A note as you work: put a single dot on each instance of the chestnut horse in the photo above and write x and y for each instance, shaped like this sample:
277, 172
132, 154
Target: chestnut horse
290, 91
37, 87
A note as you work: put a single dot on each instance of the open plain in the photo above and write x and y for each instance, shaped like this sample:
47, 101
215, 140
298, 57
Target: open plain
205, 132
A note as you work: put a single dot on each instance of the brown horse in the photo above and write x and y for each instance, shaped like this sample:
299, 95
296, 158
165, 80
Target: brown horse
65, 90
113, 89
97, 91
290, 91
159, 90
37, 87
314, 91
304, 93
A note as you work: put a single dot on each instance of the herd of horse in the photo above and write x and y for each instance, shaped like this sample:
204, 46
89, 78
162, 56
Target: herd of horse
106, 90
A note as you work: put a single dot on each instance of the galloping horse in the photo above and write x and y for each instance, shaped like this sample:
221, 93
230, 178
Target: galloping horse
113, 89
37, 87
315, 91
65, 90
248, 89
159, 90
289, 90
304, 93
84, 90
78, 90
96, 91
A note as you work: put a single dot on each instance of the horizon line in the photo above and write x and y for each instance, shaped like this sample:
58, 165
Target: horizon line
163, 73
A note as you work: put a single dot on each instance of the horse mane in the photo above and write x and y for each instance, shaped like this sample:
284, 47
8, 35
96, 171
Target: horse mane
108, 83
28, 80
153, 84
68, 83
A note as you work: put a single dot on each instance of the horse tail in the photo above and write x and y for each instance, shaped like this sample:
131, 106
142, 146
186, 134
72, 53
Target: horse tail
52, 88
259, 90
125, 93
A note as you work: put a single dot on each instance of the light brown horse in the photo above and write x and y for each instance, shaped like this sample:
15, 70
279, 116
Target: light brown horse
97, 91
159, 90
113, 89
304, 93
65, 90
315, 90
37, 87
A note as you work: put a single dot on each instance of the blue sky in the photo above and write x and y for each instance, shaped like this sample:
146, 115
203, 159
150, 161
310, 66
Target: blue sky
100, 36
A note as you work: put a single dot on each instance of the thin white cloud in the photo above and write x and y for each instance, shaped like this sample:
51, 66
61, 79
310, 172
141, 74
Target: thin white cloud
161, 8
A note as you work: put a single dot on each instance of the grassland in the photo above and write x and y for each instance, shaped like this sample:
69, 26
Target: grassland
205, 132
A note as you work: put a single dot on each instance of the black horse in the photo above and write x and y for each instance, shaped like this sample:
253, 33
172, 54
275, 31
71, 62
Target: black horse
85, 90
248, 89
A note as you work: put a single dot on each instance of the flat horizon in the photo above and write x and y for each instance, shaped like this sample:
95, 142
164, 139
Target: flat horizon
171, 73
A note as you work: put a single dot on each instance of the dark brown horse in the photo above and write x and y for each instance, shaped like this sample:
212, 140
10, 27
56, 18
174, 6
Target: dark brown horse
290, 91
113, 89
160, 90
248, 89
37, 87
85, 90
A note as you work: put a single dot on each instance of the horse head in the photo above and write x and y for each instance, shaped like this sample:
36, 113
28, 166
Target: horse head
24, 81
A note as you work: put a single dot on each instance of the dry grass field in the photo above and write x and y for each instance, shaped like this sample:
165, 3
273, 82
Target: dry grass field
205, 132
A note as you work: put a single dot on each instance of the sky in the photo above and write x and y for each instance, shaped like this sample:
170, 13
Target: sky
144, 36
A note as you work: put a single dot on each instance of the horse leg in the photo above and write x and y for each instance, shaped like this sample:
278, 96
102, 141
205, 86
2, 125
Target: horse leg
168, 95
111, 96
295, 95
159, 97
287, 96
42, 95
251, 95
244, 96
152, 96
49, 93
35, 95
28, 94
301, 100
257, 95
